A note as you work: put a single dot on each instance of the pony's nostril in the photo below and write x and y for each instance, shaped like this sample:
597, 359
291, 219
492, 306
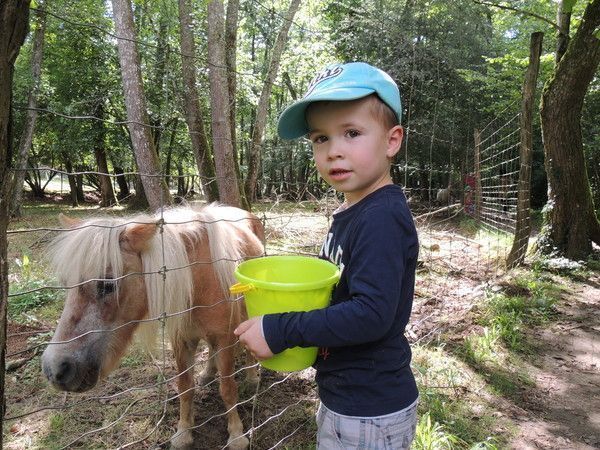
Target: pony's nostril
64, 371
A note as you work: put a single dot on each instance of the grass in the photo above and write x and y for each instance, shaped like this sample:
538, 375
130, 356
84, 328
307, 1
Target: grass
501, 350
433, 436
509, 313
453, 413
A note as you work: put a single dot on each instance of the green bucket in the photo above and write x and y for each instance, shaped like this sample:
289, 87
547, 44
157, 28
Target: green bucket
277, 284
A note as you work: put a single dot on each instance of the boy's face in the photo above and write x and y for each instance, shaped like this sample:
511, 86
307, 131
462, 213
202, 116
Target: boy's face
352, 147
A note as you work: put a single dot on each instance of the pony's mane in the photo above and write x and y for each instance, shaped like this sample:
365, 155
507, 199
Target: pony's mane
91, 251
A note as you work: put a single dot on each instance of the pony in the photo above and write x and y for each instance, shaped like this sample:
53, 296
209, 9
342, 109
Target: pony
175, 266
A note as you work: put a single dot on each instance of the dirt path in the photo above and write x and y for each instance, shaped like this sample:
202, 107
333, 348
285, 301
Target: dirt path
562, 410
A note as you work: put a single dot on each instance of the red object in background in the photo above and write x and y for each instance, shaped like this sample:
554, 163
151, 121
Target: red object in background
469, 198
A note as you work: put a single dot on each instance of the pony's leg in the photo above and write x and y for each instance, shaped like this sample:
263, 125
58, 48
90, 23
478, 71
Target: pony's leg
184, 357
251, 370
229, 393
210, 369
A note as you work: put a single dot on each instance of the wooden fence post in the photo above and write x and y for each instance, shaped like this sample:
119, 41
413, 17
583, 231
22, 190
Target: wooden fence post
523, 222
477, 163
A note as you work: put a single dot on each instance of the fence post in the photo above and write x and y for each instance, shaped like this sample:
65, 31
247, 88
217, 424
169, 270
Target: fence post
523, 222
477, 163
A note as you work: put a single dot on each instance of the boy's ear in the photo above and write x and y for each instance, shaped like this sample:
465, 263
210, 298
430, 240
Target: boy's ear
395, 136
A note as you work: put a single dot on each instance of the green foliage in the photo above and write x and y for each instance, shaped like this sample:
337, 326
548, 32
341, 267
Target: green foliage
35, 292
458, 64
433, 436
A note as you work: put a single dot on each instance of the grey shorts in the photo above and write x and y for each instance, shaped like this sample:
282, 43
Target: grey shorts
394, 431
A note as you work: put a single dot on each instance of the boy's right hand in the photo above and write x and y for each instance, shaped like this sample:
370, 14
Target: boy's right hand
251, 335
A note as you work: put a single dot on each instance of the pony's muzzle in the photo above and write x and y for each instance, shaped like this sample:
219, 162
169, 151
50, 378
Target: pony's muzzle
67, 373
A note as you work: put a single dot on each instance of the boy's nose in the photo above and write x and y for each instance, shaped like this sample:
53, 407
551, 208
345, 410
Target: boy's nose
335, 150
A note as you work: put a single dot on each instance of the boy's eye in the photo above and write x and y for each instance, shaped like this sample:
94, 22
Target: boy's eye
352, 133
319, 139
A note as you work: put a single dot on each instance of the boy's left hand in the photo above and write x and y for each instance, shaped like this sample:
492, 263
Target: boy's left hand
251, 335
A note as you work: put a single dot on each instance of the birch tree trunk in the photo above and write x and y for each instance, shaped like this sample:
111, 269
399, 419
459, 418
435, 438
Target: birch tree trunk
220, 113
263, 103
146, 157
31, 117
193, 110
570, 224
14, 19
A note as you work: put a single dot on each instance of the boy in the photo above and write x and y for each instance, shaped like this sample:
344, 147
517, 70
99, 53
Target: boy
351, 113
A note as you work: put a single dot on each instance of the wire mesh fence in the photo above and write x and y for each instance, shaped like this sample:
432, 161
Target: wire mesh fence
136, 406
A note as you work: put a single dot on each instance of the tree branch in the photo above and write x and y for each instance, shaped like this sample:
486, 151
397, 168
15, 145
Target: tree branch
518, 11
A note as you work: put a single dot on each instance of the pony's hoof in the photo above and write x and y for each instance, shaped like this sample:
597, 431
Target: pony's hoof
182, 441
238, 443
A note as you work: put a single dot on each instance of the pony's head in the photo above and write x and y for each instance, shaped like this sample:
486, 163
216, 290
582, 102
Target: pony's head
100, 261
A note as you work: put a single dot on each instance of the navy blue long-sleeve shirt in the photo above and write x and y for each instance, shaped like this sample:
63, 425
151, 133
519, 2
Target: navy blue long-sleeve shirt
363, 368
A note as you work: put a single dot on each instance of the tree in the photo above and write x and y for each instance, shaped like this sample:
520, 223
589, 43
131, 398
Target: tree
570, 223
31, 115
227, 180
263, 103
146, 157
107, 193
14, 19
193, 110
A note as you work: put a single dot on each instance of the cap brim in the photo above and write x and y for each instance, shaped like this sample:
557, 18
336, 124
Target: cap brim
292, 121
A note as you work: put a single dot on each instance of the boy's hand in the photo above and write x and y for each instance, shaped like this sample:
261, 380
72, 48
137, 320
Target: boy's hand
251, 335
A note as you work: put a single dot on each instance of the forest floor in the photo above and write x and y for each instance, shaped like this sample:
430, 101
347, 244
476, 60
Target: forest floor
562, 408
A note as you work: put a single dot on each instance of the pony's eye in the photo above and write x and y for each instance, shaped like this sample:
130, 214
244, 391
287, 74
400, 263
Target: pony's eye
104, 288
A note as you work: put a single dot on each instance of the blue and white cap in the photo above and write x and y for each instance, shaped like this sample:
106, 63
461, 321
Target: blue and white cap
339, 82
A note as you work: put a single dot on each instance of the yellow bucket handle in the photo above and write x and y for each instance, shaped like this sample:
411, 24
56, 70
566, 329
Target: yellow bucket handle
240, 288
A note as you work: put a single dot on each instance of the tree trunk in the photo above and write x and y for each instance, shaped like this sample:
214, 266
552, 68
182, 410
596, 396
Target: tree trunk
141, 137
107, 193
570, 221
263, 103
169, 155
72, 181
193, 109
79, 185
139, 200
160, 58
122, 183
31, 117
231, 25
219, 100
14, 19
563, 20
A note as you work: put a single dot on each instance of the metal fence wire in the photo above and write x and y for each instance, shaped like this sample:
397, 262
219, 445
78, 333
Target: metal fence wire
462, 252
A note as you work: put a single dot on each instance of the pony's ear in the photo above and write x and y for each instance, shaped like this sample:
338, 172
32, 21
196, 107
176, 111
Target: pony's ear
136, 238
69, 222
